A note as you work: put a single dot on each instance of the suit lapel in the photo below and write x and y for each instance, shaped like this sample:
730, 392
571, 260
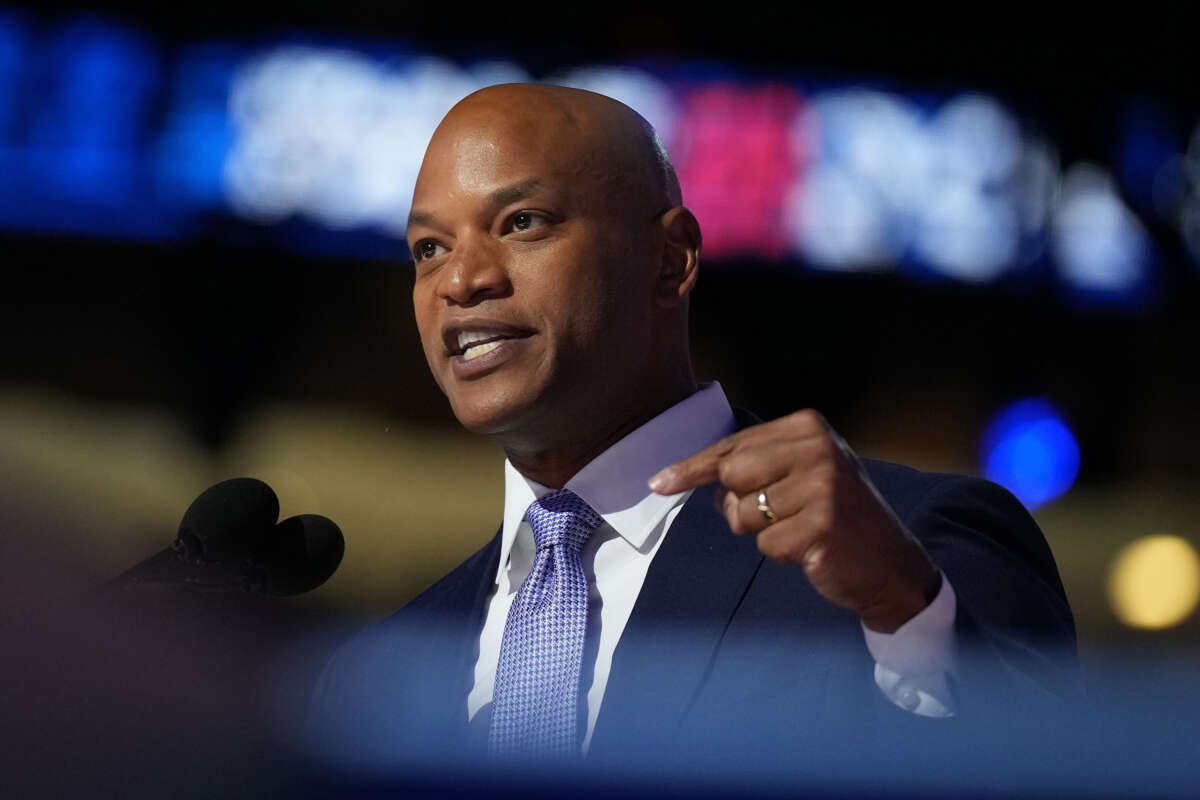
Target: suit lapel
691, 591
477, 585
451, 614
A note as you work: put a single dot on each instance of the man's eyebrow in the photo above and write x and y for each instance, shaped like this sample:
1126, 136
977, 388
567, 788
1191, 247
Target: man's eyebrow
514, 191
421, 218
500, 197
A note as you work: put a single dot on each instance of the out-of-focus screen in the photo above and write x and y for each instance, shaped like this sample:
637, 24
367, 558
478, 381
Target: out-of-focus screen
311, 142
971, 240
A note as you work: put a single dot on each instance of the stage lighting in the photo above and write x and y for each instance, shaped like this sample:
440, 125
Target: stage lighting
318, 139
839, 221
1102, 250
336, 135
1029, 449
1154, 582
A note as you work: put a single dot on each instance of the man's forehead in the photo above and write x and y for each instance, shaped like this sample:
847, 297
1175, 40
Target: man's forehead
563, 137
482, 130
497, 168
520, 104
483, 153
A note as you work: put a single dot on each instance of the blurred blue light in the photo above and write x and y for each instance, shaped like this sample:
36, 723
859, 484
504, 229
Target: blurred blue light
13, 47
89, 130
1029, 449
197, 133
1149, 144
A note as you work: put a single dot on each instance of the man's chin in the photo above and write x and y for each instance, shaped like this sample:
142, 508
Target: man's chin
491, 416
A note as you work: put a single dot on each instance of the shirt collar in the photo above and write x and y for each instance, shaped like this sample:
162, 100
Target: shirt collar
614, 483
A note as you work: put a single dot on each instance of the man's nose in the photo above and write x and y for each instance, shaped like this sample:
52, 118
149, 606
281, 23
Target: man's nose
477, 271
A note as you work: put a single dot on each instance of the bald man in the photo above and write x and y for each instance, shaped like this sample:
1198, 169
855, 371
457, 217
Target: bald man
743, 585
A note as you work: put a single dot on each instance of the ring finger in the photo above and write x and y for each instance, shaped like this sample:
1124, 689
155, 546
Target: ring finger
745, 515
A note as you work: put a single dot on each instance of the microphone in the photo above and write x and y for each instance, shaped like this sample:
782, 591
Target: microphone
228, 539
301, 553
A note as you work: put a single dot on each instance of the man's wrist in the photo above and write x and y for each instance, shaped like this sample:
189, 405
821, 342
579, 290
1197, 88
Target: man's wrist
914, 665
912, 591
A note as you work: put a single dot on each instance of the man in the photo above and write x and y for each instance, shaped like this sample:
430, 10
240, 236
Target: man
731, 587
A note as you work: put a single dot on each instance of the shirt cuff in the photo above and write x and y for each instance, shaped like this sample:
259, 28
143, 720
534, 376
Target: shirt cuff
912, 664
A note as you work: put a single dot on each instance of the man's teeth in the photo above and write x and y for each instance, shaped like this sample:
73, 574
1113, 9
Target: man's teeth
468, 338
480, 349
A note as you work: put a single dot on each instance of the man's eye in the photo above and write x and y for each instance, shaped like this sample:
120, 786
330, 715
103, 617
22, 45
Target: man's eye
425, 249
525, 220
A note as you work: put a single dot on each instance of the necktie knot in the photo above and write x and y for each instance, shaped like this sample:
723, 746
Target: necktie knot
561, 518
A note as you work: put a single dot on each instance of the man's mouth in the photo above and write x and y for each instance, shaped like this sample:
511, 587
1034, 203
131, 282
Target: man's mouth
472, 342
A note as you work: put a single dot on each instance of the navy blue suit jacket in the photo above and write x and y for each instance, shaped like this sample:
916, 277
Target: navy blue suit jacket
729, 657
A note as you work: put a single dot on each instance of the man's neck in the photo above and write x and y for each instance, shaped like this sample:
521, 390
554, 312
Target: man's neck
554, 466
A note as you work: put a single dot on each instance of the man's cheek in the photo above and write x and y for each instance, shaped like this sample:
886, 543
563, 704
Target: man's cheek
437, 375
434, 362
440, 385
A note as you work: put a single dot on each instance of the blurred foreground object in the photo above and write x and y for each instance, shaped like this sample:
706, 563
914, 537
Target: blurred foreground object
151, 690
228, 539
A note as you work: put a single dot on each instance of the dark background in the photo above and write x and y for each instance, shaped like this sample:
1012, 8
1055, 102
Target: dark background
119, 322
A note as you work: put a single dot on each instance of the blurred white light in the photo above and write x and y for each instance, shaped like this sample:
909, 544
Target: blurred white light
964, 189
1098, 242
635, 88
968, 233
839, 221
969, 227
975, 140
335, 136
879, 137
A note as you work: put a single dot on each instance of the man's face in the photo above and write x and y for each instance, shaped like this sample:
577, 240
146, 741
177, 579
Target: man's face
533, 274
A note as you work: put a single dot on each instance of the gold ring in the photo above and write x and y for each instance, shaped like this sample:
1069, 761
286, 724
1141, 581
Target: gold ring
765, 507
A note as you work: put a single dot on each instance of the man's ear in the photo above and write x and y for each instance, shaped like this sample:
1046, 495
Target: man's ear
680, 265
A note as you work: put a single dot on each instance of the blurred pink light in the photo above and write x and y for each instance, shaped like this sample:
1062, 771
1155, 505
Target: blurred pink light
737, 164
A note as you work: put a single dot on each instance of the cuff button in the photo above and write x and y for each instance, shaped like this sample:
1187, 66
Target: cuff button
908, 698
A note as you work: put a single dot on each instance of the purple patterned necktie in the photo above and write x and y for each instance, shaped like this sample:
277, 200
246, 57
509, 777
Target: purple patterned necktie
535, 705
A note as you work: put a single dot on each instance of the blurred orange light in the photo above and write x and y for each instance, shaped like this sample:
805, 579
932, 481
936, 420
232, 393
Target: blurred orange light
1154, 582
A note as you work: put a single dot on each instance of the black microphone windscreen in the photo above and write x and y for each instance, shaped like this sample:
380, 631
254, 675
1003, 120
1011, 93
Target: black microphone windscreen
300, 554
230, 519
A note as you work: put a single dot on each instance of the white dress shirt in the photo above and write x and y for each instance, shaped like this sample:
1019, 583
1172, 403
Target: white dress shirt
911, 664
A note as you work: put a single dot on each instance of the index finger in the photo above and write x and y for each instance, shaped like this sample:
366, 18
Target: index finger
695, 470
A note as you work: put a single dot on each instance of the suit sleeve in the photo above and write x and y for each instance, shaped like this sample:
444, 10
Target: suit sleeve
1014, 629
